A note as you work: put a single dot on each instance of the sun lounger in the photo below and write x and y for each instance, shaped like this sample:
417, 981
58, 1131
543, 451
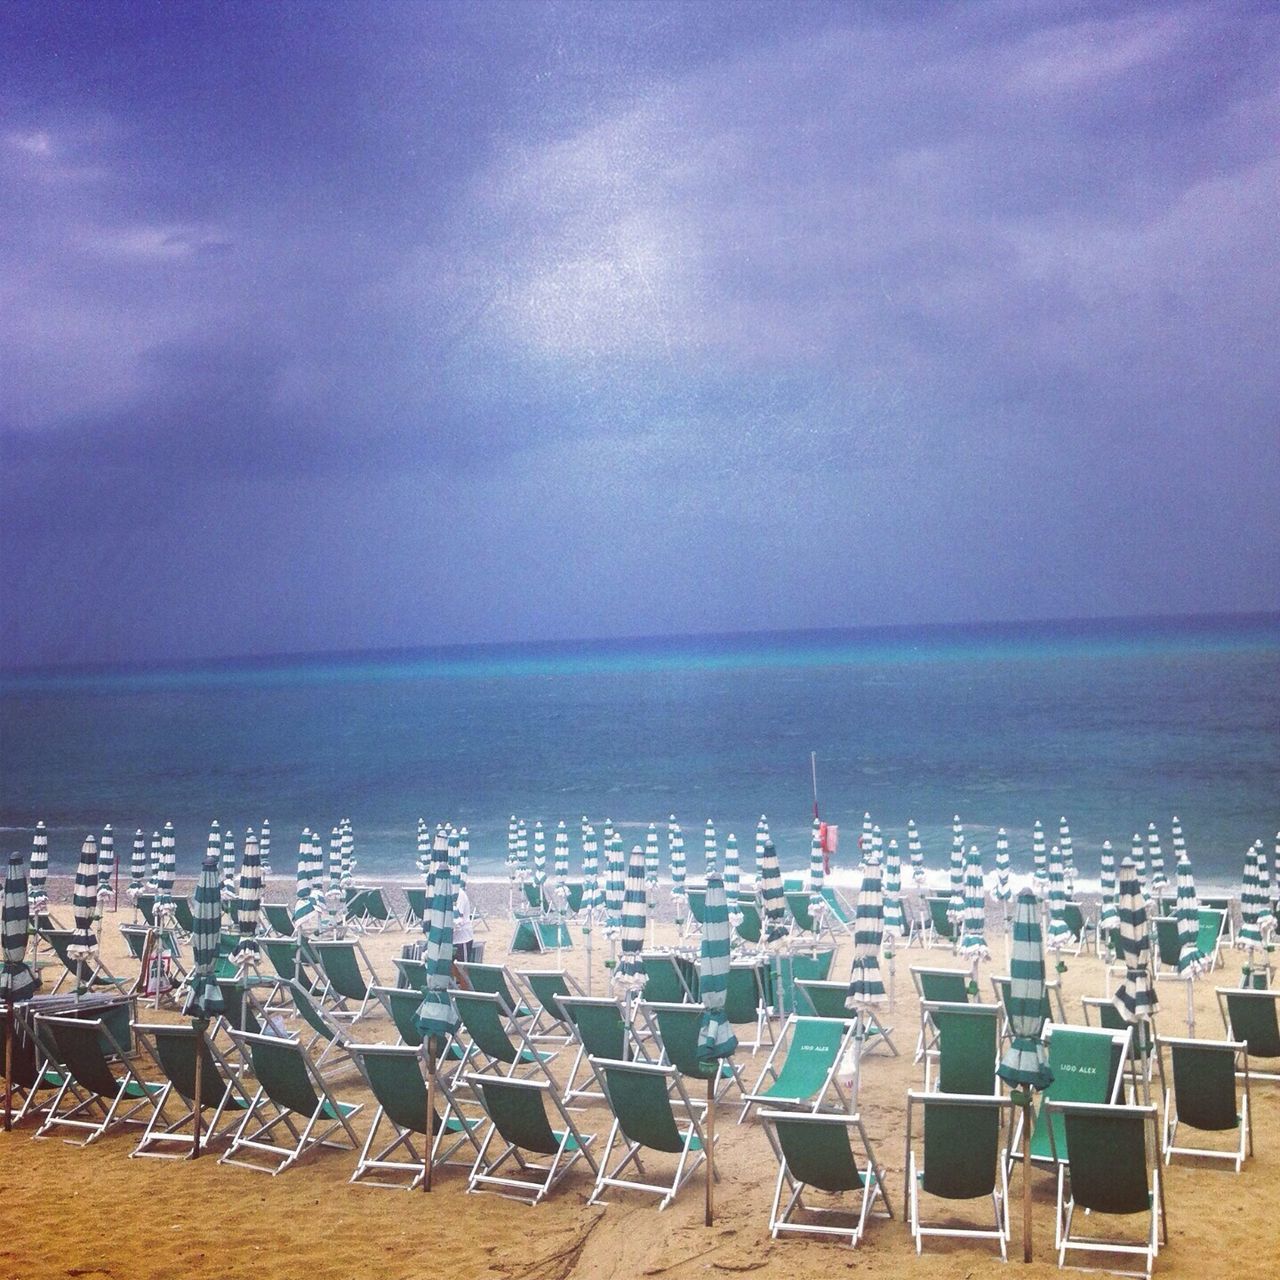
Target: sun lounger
967, 1037
345, 978
1251, 1016
1203, 1097
496, 1040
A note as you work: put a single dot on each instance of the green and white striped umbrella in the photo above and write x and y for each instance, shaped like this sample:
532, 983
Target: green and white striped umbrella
710, 852
464, 857
204, 999
165, 908
422, 856
539, 855
973, 925
1067, 851
213, 845
229, 886
562, 858
84, 900
348, 837
1178, 839
1135, 998
522, 852
866, 985
1275, 881
1039, 862
264, 848
716, 1040
614, 883
39, 870
732, 879
762, 839
590, 876
1159, 880
877, 843
1004, 890
333, 891
248, 902
675, 856
305, 909
1250, 933
1109, 914
651, 862
17, 981
1025, 1063
106, 864
1060, 937
437, 1016
138, 866
154, 856
1266, 918
1138, 856
628, 974
915, 851
817, 874
1191, 960
894, 924
773, 898
955, 907
865, 839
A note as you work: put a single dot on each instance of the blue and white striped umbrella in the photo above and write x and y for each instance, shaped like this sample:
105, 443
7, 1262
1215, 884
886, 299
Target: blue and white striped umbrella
1004, 890
539, 855
138, 866
614, 883
229, 886
915, 851
773, 898
248, 902
154, 856
437, 1016
1059, 930
1025, 1063
955, 870
84, 900
628, 974
1039, 862
1135, 998
1191, 960
1108, 914
1250, 933
264, 848
106, 864
732, 879
590, 877
17, 981
204, 998
305, 909
165, 908
348, 837
39, 870
1138, 856
894, 924
817, 874
716, 1040
1159, 880
651, 863
710, 852
866, 984
1067, 851
973, 924
675, 856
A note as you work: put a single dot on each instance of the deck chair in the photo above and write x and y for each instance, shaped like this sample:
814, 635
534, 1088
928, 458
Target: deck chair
939, 928
1052, 1008
415, 910
826, 1000
494, 980
279, 918
664, 982
747, 1001
292, 960
491, 1026
1203, 1096
371, 911
750, 926
1227, 906
806, 1078
1212, 931
1251, 1016
674, 1029
1101, 1011
33, 1073
402, 1007
798, 905
292, 1095
600, 1030
1112, 1167
92, 1098
642, 1097
546, 987
537, 937
319, 1022
967, 1037
95, 975
696, 897
962, 1159
165, 968
239, 1010
343, 976
808, 963
1077, 923
396, 1080
816, 1152
517, 1112
172, 1048
146, 903
941, 986
411, 974
839, 909
1168, 946
1088, 1067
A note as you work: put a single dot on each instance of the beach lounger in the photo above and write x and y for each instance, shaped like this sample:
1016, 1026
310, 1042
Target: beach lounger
389, 1156
839, 908
33, 1073
402, 1007
1203, 1097
696, 896
491, 1026
1052, 1007
801, 913
816, 1153
239, 1009
1112, 1167
600, 1030
750, 926
967, 1040
292, 960
99, 1089
172, 1048
827, 1000
320, 1025
808, 962
1250, 1016
1212, 932
674, 1029
292, 1096
1227, 906
537, 937
517, 1111
961, 1159
279, 918
546, 986
643, 1097
811, 1052
369, 909
411, 973
1168, 946
344, 978
1078, 924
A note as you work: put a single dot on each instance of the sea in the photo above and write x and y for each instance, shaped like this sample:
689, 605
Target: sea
1111, 725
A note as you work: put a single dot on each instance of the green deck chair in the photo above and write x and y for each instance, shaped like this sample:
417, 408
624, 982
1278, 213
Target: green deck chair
391, 1159
490, 1026
33, 1073
940, 928
1112, 1168
798, 905
95, 975
1203, 1097
182, 916
1250, 1015
292, 960
747, 1001
495, 980
811, 1051
939, 986
697, 900
827, 1000
1101, 1011
293, 1096
279, 918
806, 964
517, 1111
321, 1027
146, 903
374, 914
410, 974
664, 982
340, 963
415, 908
1227, 906
1213, 925
546, 986
674, 1029
961, 1159
839, 908
600, 1030
1168, 946
1079, 926
93, 1098
533, 896
536, 937
402, 1006
643, 1098
968, 1046
749, 927
239, 1010
816, 1152
172, 1048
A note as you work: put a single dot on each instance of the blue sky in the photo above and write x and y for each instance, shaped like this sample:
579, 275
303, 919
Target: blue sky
370, 325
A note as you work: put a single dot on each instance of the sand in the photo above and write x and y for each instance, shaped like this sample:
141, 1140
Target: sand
93, 1212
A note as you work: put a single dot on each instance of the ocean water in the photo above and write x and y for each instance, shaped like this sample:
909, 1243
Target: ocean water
1112, 725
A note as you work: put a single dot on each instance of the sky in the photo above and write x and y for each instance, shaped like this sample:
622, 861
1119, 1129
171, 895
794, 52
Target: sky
375, 325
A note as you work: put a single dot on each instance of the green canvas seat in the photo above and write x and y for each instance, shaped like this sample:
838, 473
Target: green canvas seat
292, 961
940, 928
807, 963
1250, 1016
1203, 1097
1209, 937
967, 1037
88, 974
697, 899
749, 927
320, 1028
1077, 924
32, 1071
546, 986
182, 915
495, 980
537, 937
346, 977
1226, 905
816, 1153
1051, 1008
370, 910
410, 974
663, 980
1099, 1011
145, 902
279, 918
827, 1000
961, 1158
747, 1000
415, 908
496, 1039
173, 1048
939, 986
292, 1097
239, 1010
1168, 945
1112, 1168
838, 907
389, 1156
517, 1112
799, 906
801, 1069
643, 1098
674, 1029
600, 1030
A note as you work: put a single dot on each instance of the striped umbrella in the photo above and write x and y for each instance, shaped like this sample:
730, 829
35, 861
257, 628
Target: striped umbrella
106, 864
1108, 915
248, 903
773, 898
347, 869
916, 853
675, 857
165, 908
877, 843
228, 871
1275, 881
1250, 933
1025, 1064
1179, 841
436, 1014
154, 857
1138, 855
522, 852
894, 924
1135, 998
732, 879
1158, 878
17, 981
213, 846
710, 853
1191, 960
590, 876
955, 907
84, 900
39, 870
204, 999
333, 893
422, 855
628, 974
264, 848
651, 862
864, 840
511, 846
762, 837
138, 866
1004, 891
817, 874
562, 859
866, 985
1266, 918
464, 857
614, 883
1039, 863
1068, 858
1059, 930
716, 1040
539, 855
305, 909
973, 925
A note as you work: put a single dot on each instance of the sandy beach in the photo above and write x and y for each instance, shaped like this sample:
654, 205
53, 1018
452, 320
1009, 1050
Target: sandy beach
95, 1213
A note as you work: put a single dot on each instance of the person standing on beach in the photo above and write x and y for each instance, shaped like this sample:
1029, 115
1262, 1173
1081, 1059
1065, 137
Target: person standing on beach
463, 932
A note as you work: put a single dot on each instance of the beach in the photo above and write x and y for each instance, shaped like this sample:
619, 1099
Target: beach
94, 1212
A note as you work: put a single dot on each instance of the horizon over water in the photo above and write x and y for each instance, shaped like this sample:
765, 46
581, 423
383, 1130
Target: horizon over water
1112, 723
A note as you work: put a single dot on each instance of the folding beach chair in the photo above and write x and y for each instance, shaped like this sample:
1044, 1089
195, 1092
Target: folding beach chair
1051, 1007
292, 960
495, 980
799, 906
1113, 1167
816, 1153
546, 986
750, 927
146, 902
747, 1000
1078, 924
1168, 946
402, 1007
674, 1029
941, 986
291, 1093
164, 967
664, 982
370, 910
240, 1011
343, 976
967, 1040
1209, 938
491, 1026
1227, 906
93, 975
537, 937
826, 1000
33, 1073
319, 1022
92, 1098
808, 962
517, 1111
939, 928
279, 918
411, 973
389, 1156
1203, 1096
697, 917
962, 1159
1251, 1016
172, 1048
643, 1098
415, 910
600, 1030
814, 1050
838, 908
1101, 1011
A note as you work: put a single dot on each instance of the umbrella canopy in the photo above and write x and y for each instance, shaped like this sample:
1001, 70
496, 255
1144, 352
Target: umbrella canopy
562, 858
228, 870
264, 848
84, 899
675, 857
628, 973
464, 857
866, 985
973, 925
710, 853
732, 883
1004, 890
817, 873
422, 856
915, 852
864, 840
437, 1016
894, 924
522, 852
1158, 878
204, 999
1191, 960
248, 902
39, 869
1108, 915
1025, 1064
614, 884
1060, 936
1135, 998
1067, 851
17, 982
1266, 917
138, 866
773, 898
1138, 855
955, 869
213, 845
1039, 863
153, 860
762, 838
651, 861
716, 1040
106, 863
1179, 840
165, 908
334, 890
590, 876
347, 833
539, 855
304, 908
1250, 934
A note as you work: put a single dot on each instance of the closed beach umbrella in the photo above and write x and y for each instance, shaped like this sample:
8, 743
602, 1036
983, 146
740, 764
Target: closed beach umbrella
334, 891
1250, 934
866, 984
762, 838
348, 834
137, 866
1059, 930
304, 909
628, 974
865, 839
165, 908
1135, 998
437, 1016
1138, 856
915, 851
1109, 914
562, 858
84, 899
894, 925
710, 852
590, 875
264, 848
817, 903
773, 898
464, 857
213, 845
614, 885
1191, 960
539, 855
522, 852
17, 982
651, 861
106, 864
732, 879
955, 908
1004, 890
1266, 918
228, 871
422, 854
154, 856
675, 856
1039, 862
716, 1040
39, 870
1159, 880
877, 843
973, 925
248, 902
204, 1000
1066, 849
1178, 839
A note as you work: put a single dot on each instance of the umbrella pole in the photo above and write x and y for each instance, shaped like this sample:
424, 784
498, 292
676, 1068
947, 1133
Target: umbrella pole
431, 1113
8, 1063
197, 1105
1191, 1006
709, 1215
1026, 1180
588, 943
